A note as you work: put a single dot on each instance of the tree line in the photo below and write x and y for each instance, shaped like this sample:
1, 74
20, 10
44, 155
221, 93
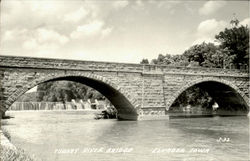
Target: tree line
232, 51
61, 91
65, 91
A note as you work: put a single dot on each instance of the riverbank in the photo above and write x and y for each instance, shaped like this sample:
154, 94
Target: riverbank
10, 152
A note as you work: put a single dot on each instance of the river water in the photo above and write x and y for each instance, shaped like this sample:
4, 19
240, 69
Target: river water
76, 136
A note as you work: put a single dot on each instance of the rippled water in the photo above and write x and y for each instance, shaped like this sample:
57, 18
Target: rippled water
51, 135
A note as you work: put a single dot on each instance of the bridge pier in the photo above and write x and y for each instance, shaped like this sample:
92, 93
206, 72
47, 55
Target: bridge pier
153, 117
153, 113
2, 114
127, 117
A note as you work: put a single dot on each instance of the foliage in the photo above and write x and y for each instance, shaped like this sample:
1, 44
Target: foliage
28, 97
236, 41
232, 50
168, 59
207, 55
9, 152
144, 61
63, 91
6, 133
194, 96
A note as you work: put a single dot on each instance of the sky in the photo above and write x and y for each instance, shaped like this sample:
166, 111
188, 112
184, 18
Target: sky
114, 31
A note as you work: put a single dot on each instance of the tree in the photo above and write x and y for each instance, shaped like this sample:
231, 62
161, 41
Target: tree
206, 55
195, 53
27, 97
236, 41
63, 91
179, 60
144, 61
233, 49
161, 60
154, 62
193, 96
168, 59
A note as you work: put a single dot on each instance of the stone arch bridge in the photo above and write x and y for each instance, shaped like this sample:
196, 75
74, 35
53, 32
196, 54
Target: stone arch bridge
134, 89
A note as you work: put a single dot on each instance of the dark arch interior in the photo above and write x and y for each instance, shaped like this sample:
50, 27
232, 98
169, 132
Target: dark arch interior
229, 101
124, 107
226, 97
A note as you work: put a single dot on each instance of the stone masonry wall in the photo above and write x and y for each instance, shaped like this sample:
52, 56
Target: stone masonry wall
175, 84
153, 95
17, 81
43, 63
150, 88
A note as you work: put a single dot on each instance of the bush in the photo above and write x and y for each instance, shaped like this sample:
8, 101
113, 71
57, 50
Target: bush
13, 154
9, 152
6, 134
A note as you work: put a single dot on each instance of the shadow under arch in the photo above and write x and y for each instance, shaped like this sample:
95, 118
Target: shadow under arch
115, 94
225, 93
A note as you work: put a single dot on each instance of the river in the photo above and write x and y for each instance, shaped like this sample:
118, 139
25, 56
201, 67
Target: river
76, 136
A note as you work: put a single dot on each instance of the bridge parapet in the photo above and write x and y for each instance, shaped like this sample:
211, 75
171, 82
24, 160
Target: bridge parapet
63, 64
181, 70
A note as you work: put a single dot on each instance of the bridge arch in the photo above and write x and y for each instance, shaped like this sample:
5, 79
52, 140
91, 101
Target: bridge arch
221, 90
122, 100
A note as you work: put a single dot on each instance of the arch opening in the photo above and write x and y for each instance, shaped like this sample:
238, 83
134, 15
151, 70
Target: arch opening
125, 109
210, 98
